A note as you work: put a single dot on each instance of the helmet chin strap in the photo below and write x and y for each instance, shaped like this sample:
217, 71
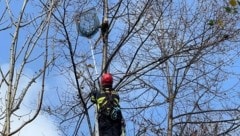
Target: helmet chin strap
107, 86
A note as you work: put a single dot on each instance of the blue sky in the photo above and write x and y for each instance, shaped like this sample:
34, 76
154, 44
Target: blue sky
56, 81
43, 124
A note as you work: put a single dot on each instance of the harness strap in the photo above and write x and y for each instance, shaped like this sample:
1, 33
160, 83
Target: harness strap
107, 102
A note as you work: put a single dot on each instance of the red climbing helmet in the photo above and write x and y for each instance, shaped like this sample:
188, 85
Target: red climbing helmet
106, 79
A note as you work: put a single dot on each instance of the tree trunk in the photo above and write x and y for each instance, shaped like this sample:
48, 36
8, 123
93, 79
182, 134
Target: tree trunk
170, 115
104, 32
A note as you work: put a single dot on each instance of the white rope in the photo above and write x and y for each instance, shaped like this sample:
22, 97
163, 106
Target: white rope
96, 127
95, 67
93, 56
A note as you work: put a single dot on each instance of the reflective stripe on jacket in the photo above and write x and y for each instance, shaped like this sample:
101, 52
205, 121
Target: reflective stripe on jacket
105, 99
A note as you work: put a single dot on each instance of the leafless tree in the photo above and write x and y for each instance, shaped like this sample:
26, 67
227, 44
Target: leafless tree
169, 60
186, 90
82, 76
26, 31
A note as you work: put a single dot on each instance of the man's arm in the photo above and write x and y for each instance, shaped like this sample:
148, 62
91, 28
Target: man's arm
93, 96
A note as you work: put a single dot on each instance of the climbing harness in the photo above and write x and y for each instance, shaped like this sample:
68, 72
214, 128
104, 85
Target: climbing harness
88, 24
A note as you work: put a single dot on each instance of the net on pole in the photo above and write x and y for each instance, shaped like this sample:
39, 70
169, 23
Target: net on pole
87, 23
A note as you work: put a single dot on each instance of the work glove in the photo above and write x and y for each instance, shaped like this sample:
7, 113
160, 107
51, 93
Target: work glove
93, 95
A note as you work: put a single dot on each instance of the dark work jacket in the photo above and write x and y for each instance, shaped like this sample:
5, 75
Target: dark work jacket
101, 99
107, 126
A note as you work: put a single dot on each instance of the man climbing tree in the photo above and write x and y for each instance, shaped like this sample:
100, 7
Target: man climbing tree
110, 118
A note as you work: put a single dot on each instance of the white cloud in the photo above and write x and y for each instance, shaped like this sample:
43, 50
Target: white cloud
42, 125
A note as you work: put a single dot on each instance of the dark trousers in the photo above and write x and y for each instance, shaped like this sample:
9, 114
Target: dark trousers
109, 127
